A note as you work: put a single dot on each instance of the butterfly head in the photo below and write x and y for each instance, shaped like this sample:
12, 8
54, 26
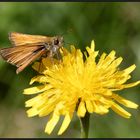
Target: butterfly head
58, 41
54, 45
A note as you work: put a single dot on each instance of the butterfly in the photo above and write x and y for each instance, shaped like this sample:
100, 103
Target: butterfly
27, 48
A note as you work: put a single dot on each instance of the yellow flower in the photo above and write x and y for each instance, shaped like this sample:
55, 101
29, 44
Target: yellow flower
73, 84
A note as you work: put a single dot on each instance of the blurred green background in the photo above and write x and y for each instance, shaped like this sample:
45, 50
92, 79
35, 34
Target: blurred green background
113, 26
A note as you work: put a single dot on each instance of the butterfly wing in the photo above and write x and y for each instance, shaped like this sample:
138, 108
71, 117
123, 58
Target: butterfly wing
29, 59
22, 56
18, 39
26, 48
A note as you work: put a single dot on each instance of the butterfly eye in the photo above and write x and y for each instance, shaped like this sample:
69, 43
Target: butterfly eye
56, 42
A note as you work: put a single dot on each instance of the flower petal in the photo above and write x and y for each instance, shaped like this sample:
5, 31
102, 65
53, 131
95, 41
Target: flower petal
125, 102
38, 89
101, 60
32, 101
129, 69
107, 61
52, 123
89, 106
40, 79
65, 123
100, 109
81, 109
131, 84
46, 110
32, 112
115, 107
92, 45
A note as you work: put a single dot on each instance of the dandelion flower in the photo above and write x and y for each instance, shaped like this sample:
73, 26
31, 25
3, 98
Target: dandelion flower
78, 83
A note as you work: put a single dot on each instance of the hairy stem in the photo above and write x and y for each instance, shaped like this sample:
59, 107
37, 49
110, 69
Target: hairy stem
84, 122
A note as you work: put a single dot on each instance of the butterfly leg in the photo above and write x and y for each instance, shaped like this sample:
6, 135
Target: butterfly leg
50, 55
39, 67
58, 56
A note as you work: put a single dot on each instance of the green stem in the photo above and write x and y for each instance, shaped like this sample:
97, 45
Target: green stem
84, 122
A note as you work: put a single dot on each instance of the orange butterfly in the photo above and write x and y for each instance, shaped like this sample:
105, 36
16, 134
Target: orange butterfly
27, 48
